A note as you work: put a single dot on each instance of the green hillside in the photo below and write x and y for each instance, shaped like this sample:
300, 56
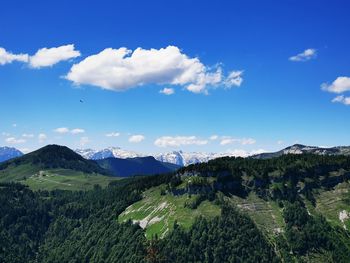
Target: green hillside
157, 212
54, 167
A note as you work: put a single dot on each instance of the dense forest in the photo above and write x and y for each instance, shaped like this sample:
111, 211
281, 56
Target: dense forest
82, 226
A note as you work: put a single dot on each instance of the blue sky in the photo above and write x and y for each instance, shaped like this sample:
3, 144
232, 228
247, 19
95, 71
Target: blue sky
249, 72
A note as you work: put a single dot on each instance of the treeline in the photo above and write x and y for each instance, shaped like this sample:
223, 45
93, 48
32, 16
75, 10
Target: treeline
281, 178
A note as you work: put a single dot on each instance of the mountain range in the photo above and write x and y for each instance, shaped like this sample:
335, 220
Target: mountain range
7, 153
181, 158
175, 157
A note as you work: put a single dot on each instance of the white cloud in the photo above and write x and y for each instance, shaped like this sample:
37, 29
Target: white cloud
167, 91
225, 140
14, 125
121, 69
340, 85
61, 130
342, 99
42, 137
113, 134
214, 137
26, 135
234, 78
47, 57
177, 141
8, 57
84, 140
13, 140
6, 134
77, 131
305, 55
280, 142
136, 138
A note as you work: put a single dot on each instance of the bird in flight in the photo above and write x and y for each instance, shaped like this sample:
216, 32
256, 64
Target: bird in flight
81, 101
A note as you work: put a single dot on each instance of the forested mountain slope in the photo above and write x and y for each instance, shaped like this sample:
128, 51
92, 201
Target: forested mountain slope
294, 208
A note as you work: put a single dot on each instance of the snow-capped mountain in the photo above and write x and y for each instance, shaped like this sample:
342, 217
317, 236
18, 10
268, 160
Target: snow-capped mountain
7, 153
186, 158
106, 153
86, 153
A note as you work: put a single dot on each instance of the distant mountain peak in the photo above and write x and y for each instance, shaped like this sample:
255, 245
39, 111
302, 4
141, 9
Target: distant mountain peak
7, 153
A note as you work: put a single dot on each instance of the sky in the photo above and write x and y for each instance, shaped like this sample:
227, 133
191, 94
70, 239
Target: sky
155, 76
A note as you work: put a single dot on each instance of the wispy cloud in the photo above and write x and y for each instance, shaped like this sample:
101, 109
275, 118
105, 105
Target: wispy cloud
306, 55
27, 135
342, 99
167, 91
113, 134
64, 130
225, 140
61, 130
176, 141
84, 140
136, 138
42, 137
13, 140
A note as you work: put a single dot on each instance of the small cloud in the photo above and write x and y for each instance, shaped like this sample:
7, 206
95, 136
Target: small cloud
167, 91
42, 137
225, 140
112, 134
308, 54
136, 138
234, 78
14, 125
6, 134
77, 131
342, 99
280, 142
26, 135
213, 137
47, 57
61, 130
340, 85
84, 140
7, 57
176, 141
13, 140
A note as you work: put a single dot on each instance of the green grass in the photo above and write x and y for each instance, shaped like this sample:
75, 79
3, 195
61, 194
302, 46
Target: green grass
331, 203
157, 213
52, 179
66, 180
15, 173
